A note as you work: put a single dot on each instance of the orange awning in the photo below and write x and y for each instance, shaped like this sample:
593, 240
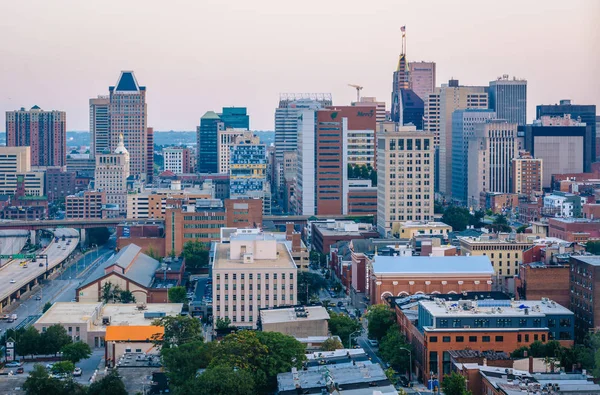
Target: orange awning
133, 333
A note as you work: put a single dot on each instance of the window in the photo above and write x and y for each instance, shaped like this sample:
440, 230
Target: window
433, 362
519, 338
460, 339
456, 323
535, 337
526, 338
433, 339
485, 339
472, 339
537, 322
482, 323
503, 322
499, 338
543, 338
522, 322
551, 322
565, 322
446, 339
443, 323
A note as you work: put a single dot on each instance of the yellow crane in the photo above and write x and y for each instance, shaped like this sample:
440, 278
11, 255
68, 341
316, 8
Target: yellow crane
358, 89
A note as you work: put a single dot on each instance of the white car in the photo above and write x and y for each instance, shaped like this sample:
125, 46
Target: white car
12, 281
77, 372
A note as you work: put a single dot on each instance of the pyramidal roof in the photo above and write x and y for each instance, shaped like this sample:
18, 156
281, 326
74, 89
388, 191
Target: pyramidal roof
210, 115
127, 82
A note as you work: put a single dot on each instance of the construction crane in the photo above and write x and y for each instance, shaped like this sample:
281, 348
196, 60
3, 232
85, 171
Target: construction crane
358, 89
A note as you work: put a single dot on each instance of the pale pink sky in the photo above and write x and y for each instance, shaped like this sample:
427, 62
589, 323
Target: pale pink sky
200, 55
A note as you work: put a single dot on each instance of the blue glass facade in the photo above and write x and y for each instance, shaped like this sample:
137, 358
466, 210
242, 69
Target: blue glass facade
207, 139
247, 170
235, 118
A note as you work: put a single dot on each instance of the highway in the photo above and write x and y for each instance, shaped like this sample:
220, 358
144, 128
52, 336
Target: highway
13, 276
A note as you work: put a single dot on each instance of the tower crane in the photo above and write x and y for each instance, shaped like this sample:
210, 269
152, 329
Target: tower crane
358, 89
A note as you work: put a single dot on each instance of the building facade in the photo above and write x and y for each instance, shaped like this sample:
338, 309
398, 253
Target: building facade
527, 173
85, 205
207, 142
421, 78
177, 159
112, 171
59, 184
248, 166
227, 138
405, 167
15, 166
44, 131
99, 125
508, 99
585, 291
235, 118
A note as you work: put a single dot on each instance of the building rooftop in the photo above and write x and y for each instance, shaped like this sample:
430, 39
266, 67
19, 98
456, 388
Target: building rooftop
342, 228
134, 333
448, 265
308, 313
284, 260
421, 224
489, 355
593, 260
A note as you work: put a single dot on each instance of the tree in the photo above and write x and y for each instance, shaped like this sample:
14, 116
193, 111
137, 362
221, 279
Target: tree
283, 353
381, 319
500, 224
311, 283
393, 349
46, 307
111, 384
593, 247
438, 208
195, 254
537, 349
39, 382
223, 323
457, 217
183, 362
107, 292
126, 297
225, 379
63, 367
341, 325
75, 352
178, 330
177, 295
29, 341
331, 344
454, 384
55, 338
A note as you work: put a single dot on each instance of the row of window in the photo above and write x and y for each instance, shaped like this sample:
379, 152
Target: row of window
251, 276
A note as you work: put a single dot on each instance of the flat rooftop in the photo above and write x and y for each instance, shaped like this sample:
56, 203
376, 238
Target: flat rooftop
424, 224
447, 265
91, 314
314, 313
593, 260
493, 308
222, 261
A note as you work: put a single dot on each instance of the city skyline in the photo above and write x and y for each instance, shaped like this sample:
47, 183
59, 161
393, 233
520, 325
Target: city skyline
183, 82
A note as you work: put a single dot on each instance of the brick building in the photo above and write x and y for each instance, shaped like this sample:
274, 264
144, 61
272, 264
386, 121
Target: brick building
244, 213
585, 292
150, 236
526, 174
85, 205
59, 184
362, 200
574, 229
539, 280
326, 233
499, 202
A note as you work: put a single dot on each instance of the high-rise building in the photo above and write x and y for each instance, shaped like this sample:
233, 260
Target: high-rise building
508, 98
372, 102
44, 131
112, 170
563, 143
453, 97
248, 167
584, 113
207, 142
463, 126
411, 109
527, 174
59, 184
149, 154
128, 116
15, 166
235, 118
405, 165
490, 156
400, 81
99, 125
226, 140
176, 159
421, 78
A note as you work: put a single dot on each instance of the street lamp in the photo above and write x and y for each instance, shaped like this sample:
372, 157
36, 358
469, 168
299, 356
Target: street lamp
409, 363
350, 337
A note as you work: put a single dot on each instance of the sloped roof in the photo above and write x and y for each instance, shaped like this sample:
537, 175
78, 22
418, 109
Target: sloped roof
210, 115
127, 82
133, 333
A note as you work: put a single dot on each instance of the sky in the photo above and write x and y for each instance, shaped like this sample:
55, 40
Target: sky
199, 55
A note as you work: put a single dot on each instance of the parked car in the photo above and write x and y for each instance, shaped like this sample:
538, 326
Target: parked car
20, 370
77, 372
374, 343
38, 297
14, 364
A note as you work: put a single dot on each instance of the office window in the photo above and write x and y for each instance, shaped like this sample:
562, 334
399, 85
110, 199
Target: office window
537, 322
433, 362
460, 339
499, 338
472, 339
456, 323
565, 322
443, 323
485, 339
446, 339
433, 339
535, 337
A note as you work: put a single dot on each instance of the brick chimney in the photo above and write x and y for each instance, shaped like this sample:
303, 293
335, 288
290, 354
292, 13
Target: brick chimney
530, 364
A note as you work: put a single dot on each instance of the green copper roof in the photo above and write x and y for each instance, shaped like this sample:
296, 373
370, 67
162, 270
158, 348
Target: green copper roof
210, 115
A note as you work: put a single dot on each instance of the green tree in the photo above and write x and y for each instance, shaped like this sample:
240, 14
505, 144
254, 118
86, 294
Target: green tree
393, 349
381, 319
223, 323
454, 384
177, 295
63, 367
311, 283
195, 254
500, 224
75, 352
283, 353
225, 379
183, 362
457, 217
537, 349
55, 338
520, 352
350, 171
341, 325
331, 344
364, 172
111, 384
39, 382
593, 247
438, 208
178, 330
46, 307
373, 177
126, 297
29, 341
522, 228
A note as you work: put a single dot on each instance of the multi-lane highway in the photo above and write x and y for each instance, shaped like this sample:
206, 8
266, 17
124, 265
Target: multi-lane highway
15, 275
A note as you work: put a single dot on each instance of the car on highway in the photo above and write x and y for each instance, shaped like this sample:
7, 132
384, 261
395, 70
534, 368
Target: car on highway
77, 372
41, 264
14, 364
12, 281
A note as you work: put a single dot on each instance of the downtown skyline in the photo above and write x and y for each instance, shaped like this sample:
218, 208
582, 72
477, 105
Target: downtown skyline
201, 57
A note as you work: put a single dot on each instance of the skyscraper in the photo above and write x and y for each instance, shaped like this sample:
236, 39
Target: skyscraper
149, 154
43, 131
421, 78
235, 118
99, 125
207, 142
112, 170
490, 156
463, 127
411, 109
248, 167
587, 114
128, 116
400, 81
372, 102
226, 138
508, 98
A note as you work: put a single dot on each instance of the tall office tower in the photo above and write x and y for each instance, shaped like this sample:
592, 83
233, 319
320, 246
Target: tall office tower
454, 97
564, 145
286, 124
235, 118
586, 113
421, 78
405, 165
411, 109
226, 140
128, 116
207, 137
508, 98
112, 170
44, 131
176, 159
149, 155
527, 174
490, 156
400, 81
463, 126
372, 102
99, 125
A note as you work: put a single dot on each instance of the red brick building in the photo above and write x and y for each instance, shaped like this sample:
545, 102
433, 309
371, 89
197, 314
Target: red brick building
59, 184
591, 211
362, 201
150, 236
539, 280
326, 233
574, 229
244, 213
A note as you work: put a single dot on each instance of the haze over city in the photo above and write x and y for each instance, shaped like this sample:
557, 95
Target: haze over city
203, 55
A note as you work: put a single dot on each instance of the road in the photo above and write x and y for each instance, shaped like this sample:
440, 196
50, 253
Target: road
13, 276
